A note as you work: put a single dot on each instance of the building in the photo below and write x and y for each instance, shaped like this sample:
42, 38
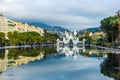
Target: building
3, 24
7, 25
20, 27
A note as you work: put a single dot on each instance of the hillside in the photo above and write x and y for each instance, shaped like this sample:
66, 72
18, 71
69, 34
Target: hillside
95, 29
56, 29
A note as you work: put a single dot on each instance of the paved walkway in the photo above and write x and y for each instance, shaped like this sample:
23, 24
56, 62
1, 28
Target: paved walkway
112, 50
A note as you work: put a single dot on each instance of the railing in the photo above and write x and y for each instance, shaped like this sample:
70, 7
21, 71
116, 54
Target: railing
8, 47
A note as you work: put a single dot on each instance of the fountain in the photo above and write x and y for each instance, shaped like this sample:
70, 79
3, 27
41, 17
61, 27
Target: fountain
70, 39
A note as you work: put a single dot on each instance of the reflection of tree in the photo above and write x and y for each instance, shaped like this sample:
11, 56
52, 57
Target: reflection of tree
92, 53
49, 51
28, 52
15, 53
15, 57
2, 53
111, 66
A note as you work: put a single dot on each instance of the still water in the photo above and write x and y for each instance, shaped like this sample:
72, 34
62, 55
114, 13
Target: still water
58, 64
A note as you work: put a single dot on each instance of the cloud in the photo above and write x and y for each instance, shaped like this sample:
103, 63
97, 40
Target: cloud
61, 12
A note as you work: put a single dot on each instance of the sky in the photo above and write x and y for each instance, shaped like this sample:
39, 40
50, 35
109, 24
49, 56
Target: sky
70, 14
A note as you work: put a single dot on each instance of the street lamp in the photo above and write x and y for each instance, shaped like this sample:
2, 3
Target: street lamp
118, 15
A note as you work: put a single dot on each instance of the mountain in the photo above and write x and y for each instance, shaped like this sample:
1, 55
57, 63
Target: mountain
61, 29
95, 29
56, 29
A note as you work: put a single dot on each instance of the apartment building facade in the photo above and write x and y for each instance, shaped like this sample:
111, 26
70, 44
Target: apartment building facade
7, 25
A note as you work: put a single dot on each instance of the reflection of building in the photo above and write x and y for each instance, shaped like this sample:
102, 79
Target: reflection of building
7, 63
70, 38
4, 62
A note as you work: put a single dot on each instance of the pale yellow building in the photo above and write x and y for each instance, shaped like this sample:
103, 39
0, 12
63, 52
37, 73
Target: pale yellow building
99, 34
3, 24
20, 27
7, 25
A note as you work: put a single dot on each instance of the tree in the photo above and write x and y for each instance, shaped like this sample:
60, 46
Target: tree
2, 35
110, 27
110, 66
2, 38
17, 38
50, 37
14, 37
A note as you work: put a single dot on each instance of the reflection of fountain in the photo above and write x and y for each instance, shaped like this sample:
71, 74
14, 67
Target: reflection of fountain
69, 51
111, 66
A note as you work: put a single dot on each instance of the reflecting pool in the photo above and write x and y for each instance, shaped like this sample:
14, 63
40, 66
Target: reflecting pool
66, 63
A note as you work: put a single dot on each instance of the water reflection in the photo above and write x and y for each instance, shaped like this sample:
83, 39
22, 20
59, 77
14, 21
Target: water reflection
95, 53
110, 62
111, 66
74, 51
15, 57
50, 63
70, 51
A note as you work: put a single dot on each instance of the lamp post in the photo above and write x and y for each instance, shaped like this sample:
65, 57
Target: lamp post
118, 15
